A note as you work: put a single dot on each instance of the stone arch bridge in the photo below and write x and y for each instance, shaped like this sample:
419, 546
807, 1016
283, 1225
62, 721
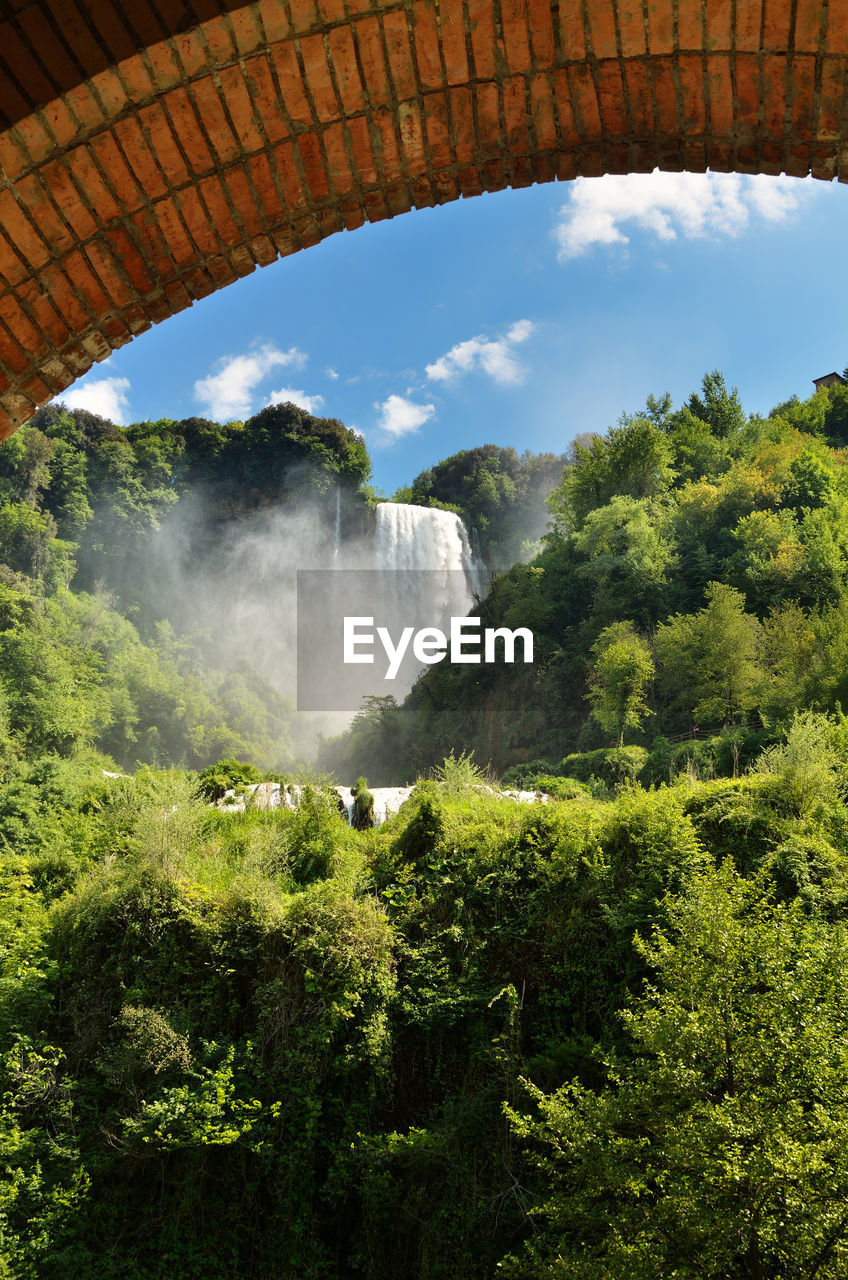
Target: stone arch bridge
153, 151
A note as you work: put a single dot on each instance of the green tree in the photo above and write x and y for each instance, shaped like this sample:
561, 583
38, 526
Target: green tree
622, 671
718, 1145
709, 660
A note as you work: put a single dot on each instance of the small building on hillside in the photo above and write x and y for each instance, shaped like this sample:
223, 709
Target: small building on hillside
829, 380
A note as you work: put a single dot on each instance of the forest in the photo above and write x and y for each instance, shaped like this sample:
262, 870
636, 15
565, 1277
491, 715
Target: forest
602, 1037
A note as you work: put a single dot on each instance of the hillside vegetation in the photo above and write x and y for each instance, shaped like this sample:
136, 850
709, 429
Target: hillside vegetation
599, 1038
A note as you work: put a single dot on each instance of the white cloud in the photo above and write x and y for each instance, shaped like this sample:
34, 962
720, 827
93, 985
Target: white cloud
331, 374
228, 393
400, 417
495, 356
303, 401
106, 396
694, 205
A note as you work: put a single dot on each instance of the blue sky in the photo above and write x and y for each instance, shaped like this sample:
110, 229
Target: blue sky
520, 318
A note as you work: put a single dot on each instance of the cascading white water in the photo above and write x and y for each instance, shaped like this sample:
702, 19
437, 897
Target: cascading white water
410, 537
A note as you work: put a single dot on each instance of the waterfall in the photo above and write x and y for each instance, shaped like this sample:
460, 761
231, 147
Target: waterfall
337, 530
409, 537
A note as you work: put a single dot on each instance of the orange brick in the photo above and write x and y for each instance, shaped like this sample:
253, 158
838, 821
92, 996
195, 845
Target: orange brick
660, 26
602, 29
399, 50
219, 40
109, 267
747, 89
832, 101
56, 179
161, 140
87, 177
263, 251
316, 70
719, 24
84, 282
774, 101
543, 113
423, 195
314, 169
363, 156
274, 20
343, 58
665, 98
12, 157
369, 42
242, 261
210, 110
291, 84
810, 17
584, 100
289, 175
515, 114
198, 283
338, 164
837, 28
243, 200
721, 95
777, 17
21, 233
488, 116
568, 131
516, 36
610, 87
192, 51
197, 221
454, 52
131, 139
540, 22
572, 34
246, 33
411, 135
690, 26
802, 119
32, 135
384, 145
691, 74
437, 130
304, 14
116, 173
262, 180
65, 297
747, 25
19, 325
640, 98
173, 229
241, 109
177, 295
187, 131
265, 99
461, 107
164, 63
483, 48
427, 52
215, 199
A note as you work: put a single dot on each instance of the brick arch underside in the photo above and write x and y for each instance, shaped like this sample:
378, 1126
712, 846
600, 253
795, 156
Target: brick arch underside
154, 152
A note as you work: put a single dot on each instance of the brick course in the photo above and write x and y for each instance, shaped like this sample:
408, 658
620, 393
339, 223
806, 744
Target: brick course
151, 153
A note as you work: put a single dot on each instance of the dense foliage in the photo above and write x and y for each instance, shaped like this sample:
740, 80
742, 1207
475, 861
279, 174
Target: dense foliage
599, 1037
694, 583
500, 495
602, 1037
